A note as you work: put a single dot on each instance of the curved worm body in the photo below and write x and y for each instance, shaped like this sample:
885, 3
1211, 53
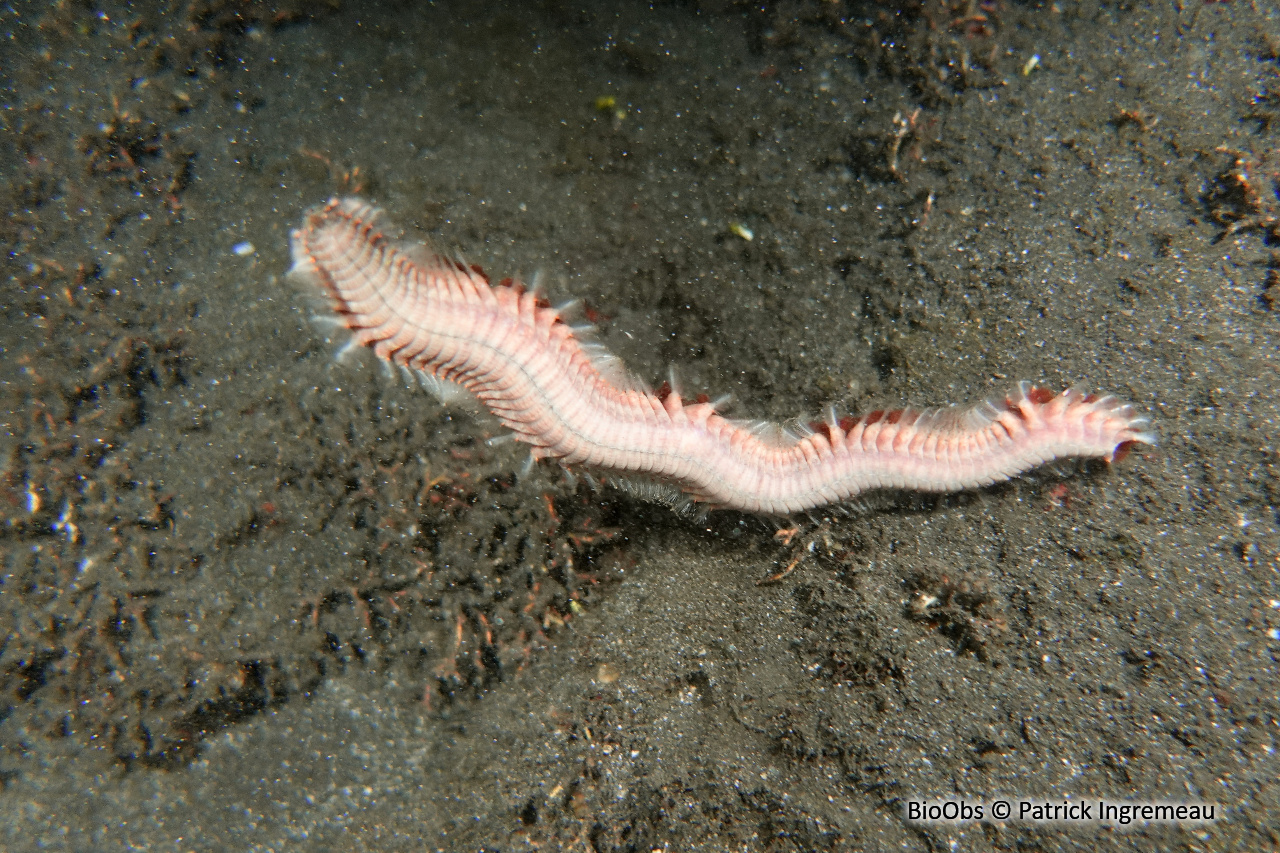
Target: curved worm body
512, 351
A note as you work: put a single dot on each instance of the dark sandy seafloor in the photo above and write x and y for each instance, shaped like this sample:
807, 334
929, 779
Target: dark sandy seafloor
254, 598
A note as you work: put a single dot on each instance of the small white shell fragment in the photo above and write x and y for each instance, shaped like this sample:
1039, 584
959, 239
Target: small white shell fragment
244, 249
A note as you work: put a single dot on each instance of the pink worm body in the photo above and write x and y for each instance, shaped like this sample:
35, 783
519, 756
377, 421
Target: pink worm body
507, 347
